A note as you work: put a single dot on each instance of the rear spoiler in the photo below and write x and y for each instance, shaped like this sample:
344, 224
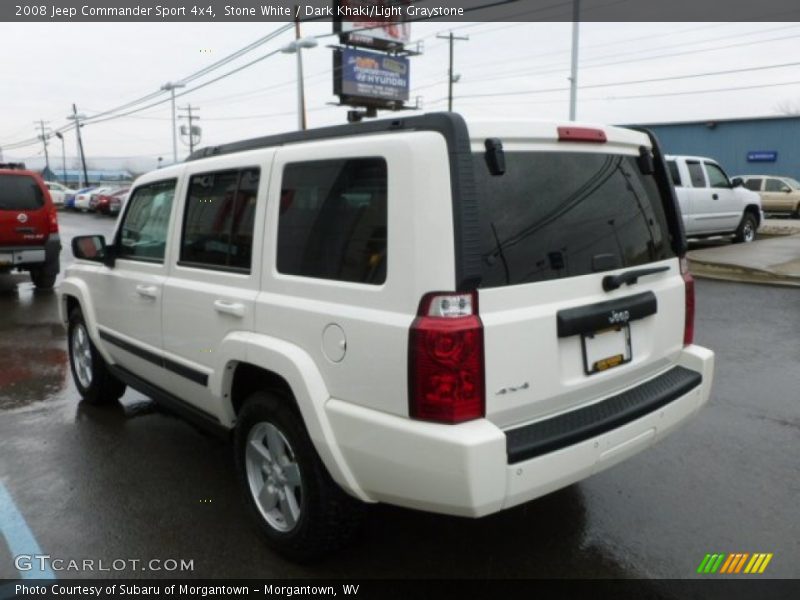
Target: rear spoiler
669, 200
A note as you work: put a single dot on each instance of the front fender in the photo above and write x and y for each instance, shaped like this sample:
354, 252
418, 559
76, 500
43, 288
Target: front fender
311, 394
77, 288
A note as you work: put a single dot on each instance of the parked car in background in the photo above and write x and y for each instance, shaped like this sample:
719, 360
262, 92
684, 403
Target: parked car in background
69, 199
710, 204
58, 192
29, 238
82, 198
95, 194
105, 201
780, 195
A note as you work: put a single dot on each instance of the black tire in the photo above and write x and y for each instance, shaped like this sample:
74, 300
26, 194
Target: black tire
102, 387
43, 277
328, 517
746, 232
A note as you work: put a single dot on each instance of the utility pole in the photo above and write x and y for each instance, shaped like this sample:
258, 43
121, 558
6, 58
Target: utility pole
60, 136
171, 87
191, 128
451, 77
43, 136
573, 79
77, 118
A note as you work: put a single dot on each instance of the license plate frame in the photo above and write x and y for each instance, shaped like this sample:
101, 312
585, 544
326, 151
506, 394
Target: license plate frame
606, 348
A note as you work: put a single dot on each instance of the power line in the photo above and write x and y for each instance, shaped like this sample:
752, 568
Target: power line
636, 81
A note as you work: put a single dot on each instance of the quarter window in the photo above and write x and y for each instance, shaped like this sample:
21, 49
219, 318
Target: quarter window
696, 174
332, 222
674, 173
219, 219
143, 234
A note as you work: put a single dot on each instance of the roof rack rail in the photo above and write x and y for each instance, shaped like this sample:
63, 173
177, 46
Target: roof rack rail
443, 122
10, 165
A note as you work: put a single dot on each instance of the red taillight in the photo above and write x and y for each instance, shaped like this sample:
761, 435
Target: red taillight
445, 352
52, 226
581, 134
688, 280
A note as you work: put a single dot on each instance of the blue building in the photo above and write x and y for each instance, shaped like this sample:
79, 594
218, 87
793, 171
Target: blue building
758, 146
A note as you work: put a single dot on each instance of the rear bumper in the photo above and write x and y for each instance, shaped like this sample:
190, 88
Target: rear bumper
26, 256
475, 468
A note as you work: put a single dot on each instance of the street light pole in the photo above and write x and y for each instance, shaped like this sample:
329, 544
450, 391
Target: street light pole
171, 87
297, 45
301, 92
573, 79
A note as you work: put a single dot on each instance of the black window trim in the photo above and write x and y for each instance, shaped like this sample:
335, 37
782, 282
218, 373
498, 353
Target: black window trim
118, 238
205, 266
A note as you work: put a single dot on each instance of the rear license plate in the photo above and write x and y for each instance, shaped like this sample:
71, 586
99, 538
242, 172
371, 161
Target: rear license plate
6, 259
606, 349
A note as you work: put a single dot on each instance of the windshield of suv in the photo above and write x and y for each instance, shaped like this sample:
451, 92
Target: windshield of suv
19, 192
564, 214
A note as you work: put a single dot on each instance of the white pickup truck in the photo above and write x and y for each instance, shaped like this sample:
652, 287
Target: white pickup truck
710, 204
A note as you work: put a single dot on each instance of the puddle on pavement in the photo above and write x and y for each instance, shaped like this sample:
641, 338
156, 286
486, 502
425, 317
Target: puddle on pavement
33, 350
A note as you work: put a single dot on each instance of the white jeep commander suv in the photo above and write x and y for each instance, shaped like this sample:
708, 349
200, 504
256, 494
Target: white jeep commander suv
414, 311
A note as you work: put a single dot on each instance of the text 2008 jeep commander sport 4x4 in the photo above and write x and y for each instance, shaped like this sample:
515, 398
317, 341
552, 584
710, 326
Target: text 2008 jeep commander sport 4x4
449, 318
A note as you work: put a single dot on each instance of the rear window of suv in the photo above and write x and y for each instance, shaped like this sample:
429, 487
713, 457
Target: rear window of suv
556, 214
20, 192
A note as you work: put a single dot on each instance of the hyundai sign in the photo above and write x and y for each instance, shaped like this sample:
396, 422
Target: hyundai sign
762, 156
372, 23
370, 79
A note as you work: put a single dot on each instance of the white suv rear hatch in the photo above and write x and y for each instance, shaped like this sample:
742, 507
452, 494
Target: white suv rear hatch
575, 206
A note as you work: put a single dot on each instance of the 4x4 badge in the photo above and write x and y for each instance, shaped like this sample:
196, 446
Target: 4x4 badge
22, 218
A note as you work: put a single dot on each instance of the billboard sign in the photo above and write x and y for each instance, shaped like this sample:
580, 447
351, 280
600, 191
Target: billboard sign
371, 23
370, 78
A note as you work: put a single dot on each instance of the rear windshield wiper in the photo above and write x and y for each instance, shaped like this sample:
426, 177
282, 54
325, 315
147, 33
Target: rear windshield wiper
612, 282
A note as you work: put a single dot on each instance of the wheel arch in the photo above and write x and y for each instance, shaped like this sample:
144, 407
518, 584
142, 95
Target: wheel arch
75, 293
250, 361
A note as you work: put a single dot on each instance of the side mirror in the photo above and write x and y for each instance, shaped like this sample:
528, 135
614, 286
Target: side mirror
737, 182
786, 189
93, 248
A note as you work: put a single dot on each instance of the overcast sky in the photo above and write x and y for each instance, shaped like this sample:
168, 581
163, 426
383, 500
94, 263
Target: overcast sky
46, 67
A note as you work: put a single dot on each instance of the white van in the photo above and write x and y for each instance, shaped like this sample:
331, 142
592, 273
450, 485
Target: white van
448, 317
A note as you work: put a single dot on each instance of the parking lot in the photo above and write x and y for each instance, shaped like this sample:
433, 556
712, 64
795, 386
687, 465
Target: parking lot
131, 483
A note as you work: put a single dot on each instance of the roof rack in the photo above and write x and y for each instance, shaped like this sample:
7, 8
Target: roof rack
445, 123
10, 165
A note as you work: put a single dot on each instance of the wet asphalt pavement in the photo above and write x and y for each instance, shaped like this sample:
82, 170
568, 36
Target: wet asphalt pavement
128, 482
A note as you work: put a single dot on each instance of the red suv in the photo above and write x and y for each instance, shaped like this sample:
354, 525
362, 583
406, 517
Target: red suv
29, 239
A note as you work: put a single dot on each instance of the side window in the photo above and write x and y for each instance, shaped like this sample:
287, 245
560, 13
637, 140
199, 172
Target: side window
143, 234
774, 185
717, 177
219, 218
753, 184
674, 174
696, 174
332, 222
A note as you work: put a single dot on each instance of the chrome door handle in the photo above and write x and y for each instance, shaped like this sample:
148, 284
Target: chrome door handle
148, 291
229, 308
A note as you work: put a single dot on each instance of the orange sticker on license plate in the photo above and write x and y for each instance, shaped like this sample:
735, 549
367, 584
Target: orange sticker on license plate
606, 349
